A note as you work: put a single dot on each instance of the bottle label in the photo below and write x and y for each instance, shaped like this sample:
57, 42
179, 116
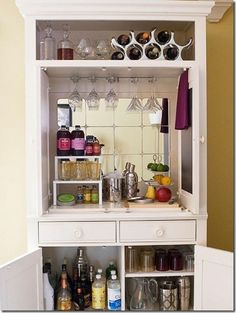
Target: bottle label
114, 300
78, 143
94, 197
64, 305
63, 144
98, 298
89, 150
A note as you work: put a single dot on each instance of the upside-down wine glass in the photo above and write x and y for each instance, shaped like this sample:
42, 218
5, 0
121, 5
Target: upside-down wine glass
75, 100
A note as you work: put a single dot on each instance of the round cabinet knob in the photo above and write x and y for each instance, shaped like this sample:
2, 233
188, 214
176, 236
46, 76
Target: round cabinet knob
159, 232
202, 139
78, 233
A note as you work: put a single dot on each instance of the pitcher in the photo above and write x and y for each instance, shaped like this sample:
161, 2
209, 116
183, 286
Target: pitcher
143, 298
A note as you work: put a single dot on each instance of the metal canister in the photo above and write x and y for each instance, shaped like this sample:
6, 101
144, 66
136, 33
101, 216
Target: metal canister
131, 182
112, 189
168, 295
184, 293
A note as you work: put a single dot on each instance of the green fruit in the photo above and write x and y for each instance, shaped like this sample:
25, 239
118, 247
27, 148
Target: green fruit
166, 168
149, 165
160, 167
154, 167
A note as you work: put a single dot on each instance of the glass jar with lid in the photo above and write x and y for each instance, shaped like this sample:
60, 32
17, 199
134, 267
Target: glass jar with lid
48, 45
65, 49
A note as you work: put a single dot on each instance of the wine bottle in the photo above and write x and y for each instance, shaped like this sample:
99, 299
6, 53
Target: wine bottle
117, 55
163, 37
152, 51
143, 38
171, 52
123, 40
134, 53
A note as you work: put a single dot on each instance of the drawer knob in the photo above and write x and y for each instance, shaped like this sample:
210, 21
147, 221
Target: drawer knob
78, 233
159, 232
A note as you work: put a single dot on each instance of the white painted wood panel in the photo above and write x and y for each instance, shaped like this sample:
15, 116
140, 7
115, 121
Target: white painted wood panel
213, 284
21, 283
76, 232
158, 231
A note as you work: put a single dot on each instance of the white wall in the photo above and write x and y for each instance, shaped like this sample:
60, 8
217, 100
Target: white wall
12, 110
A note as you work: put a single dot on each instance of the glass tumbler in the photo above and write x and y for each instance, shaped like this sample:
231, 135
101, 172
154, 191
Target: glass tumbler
132, 260
161, 260
147, 263
176, 261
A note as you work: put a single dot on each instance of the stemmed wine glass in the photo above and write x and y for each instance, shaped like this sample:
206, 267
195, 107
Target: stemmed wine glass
75, 100
152, 105
93, 99
111, 98
135, 103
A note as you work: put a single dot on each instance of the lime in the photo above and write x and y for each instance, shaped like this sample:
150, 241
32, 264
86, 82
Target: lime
154, 167
149, 165
160, 167
165, 168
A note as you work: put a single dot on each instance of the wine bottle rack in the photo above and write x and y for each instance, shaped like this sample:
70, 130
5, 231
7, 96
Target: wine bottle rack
152, 42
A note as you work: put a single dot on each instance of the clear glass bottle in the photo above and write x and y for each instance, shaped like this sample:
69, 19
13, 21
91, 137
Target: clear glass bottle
65, 49
64, 295
48, 45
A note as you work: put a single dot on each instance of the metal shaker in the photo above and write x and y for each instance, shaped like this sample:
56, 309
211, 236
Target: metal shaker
168, 296
131, 182
123, 186
184, 293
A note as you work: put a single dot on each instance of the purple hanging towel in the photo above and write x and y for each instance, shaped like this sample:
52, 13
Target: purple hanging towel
164, 116
182, 107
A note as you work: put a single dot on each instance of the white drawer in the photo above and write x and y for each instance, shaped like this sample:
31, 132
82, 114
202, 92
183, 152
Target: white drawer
171, 231
73, 232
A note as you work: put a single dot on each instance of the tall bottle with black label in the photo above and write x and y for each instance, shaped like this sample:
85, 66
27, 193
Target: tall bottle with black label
63, 141
77, 141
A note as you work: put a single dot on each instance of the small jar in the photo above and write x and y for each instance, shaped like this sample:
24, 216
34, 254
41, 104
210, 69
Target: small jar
94, 195
176, 261
80, 195
96, 147
89, 145
87, 195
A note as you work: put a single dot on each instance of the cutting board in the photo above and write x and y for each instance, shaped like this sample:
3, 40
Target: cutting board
151, 205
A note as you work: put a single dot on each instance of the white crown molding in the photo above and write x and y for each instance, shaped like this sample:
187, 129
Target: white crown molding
105, 9
219, 9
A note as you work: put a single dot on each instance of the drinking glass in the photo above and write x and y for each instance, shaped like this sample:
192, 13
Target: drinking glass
75, 100
93, 99
102, 49
111, 98
84, 48
135, 103
147, 260
132, 260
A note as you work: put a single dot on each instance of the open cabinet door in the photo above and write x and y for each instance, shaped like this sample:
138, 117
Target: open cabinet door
21, 283
188, 154
213, 280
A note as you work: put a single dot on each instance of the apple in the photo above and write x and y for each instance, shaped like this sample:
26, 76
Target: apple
163, 194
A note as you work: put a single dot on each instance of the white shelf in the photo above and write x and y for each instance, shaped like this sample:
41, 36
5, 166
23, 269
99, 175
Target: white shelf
83, 157
77, 181
159, 274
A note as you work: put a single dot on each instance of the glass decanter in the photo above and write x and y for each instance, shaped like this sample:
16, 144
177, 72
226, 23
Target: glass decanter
65, 49
48, 45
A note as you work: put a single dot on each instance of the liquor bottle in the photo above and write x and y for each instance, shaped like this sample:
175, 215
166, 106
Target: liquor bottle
81, 263
98, 293
65, 50
85, 285
48, 292
63, 141
163, 37
48, 45
64, 269
143, 38
123, 40
111, 267
78, 298
91, 280
171, 52
113, 294
134, 52
117, 55
152, 52
64, 294
77, 141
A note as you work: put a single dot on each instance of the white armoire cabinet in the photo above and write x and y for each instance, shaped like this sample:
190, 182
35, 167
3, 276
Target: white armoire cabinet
106, 230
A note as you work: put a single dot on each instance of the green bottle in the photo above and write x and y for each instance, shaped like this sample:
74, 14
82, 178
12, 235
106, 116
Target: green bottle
111, 267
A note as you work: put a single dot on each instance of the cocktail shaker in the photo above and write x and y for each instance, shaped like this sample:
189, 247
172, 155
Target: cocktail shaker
131, 182
184, 293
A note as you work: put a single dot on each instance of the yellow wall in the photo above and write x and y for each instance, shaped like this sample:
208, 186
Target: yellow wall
12, 110
220, 132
